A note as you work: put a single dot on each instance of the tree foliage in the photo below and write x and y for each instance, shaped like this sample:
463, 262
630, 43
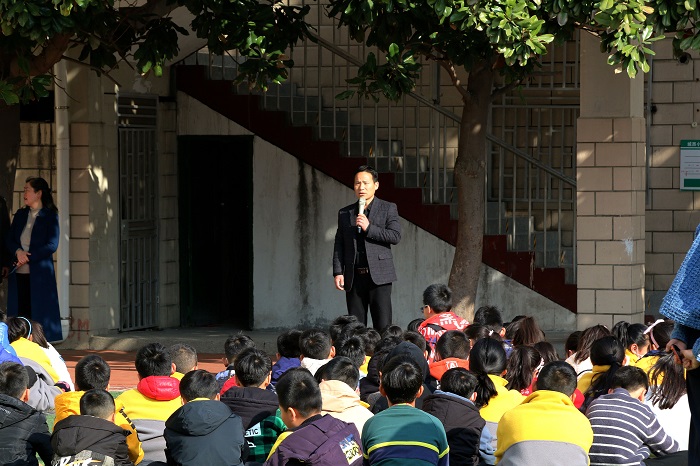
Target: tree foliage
36, 34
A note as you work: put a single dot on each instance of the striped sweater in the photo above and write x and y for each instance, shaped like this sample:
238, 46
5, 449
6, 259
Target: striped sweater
625, 431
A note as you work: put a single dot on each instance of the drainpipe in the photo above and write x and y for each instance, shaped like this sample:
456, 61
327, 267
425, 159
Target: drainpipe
62, 127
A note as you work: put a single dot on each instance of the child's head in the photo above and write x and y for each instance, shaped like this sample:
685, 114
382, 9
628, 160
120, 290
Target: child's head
18, 327
660, 333
437, 298
92, 372
633, 337
459, 381
486, 357
315, 344
607, 351
414, 324
199, 384
253, 368
528, 332
394, 331
288, 344
354, 349
476, 332
97, 403
371, 338
453, 344
401, 380
299, 396
14, 381
491, 318
571, 344
415, 338
342, 369
557, 376
234, 345
633, 379
547, 351
184, 357
585, 343
153, 359
524, 361
339, 323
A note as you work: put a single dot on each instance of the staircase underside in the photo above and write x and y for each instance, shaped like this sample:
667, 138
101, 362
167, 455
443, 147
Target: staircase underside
299, 141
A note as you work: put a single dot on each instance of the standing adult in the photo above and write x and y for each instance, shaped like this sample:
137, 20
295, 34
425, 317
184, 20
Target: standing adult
33, 238
363, 265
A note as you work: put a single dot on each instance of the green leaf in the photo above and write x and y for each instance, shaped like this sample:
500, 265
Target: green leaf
393, 49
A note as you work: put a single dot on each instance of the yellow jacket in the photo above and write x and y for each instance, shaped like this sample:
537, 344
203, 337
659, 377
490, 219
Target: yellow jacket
68, 404
504, 401
30, 350
586, 380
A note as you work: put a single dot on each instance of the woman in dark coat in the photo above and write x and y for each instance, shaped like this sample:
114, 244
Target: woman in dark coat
33, 238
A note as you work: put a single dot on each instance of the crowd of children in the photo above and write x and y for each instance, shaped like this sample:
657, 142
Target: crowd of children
443, 391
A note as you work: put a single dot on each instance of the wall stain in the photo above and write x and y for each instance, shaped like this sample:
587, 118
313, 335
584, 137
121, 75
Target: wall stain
303, 229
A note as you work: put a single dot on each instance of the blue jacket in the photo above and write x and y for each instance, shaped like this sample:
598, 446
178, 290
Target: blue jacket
42, 277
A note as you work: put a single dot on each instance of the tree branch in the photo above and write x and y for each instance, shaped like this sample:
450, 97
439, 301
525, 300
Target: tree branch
499, 91
49, 56
73, 60
456, 82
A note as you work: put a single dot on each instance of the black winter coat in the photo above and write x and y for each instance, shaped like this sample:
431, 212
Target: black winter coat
463, 425
23, 434
204, 433
252, 404
92, 436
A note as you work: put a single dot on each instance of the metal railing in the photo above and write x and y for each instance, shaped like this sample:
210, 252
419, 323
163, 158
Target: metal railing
417, 138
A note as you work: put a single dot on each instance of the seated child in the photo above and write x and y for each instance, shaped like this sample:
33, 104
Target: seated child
256, 406
625, 431
634, 338
92, 373
353, 348
91, 437
184, 358
487, 360
154, 399
339, 379
21, 339
23, 430
439, 318
287, 354
452, 350
546, 429
312, 438
402, 431
232, 347
522, 368
57, 362
453, 404
607, 356
316, 349
203, 432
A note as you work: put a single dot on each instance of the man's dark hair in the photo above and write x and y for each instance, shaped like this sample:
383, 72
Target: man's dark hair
630, 378
438, 297
153, 359
453, 344
415, 338
557, 376
183, 356
489, 316
459, 381
369, 169
339, 323
342, 369
252, 366
92, 372
297, 389
288, 344
315, 344
98, 403
199, 384
235, 344
13, 379
371, 338
354, 349
401, 379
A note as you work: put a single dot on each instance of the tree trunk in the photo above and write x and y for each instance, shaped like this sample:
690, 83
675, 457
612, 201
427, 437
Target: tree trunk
9, 151
470, 171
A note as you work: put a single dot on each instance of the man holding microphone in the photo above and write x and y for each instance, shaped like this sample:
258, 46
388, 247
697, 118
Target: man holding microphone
363, 266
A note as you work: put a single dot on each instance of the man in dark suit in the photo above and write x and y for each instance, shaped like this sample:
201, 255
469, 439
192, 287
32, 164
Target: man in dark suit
362, 262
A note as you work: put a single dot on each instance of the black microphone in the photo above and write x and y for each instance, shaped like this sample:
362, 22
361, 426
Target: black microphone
362, 202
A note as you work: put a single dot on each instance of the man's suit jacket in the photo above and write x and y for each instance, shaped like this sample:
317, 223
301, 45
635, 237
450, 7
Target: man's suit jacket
383, 231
